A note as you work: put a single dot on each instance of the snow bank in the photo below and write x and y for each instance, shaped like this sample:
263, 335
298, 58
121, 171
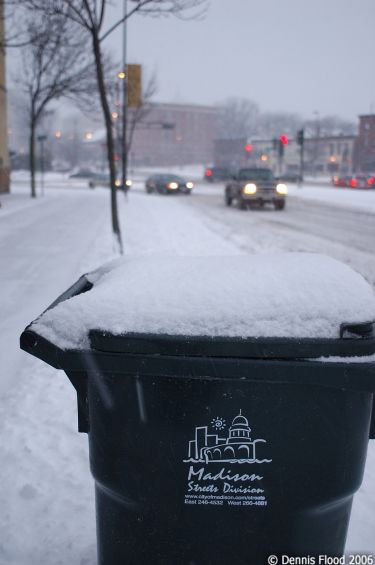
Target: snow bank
288, 294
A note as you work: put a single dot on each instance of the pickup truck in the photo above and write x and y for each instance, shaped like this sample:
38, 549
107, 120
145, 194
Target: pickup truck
254, 187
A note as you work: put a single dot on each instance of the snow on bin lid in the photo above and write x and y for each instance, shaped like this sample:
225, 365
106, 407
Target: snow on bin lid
288, 295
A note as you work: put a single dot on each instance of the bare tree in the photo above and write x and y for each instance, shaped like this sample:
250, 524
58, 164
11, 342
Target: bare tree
238, 118
12, 14
89, 15
324, 126
273, 124
55, 64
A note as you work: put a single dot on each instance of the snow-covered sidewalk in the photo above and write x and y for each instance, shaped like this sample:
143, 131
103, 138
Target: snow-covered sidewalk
47, 514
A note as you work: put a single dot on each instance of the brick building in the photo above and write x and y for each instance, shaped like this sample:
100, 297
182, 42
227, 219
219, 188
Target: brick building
189, 139
364, 156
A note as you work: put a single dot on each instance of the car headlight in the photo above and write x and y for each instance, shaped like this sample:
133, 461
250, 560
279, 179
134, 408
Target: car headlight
189, 185
282, 189
172, 185
117, 182
249, 188
128, 182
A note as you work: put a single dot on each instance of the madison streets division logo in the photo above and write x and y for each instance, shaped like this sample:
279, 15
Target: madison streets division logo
236, 447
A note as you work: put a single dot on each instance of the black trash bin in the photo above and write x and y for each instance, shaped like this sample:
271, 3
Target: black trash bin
220, 450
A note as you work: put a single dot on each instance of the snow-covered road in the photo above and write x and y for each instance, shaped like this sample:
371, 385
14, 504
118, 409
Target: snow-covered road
306, 225
47, 514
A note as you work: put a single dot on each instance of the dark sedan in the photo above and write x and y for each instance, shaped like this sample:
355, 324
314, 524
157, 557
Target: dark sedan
168, 184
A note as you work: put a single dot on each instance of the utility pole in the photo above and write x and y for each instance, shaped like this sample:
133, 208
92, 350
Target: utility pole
282, 142
301, 143
317, 141
124, 156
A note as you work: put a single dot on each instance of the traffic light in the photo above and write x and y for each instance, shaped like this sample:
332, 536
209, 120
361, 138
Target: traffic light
248, 147
284, 139
134, 85
281, 148
300, 137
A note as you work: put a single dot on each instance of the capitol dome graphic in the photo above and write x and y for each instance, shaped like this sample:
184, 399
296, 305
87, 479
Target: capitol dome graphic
237, 447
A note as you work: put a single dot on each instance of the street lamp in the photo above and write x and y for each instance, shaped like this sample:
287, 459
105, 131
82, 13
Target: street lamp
124, 77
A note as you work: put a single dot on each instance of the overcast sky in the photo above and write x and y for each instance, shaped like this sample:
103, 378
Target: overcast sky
287, 55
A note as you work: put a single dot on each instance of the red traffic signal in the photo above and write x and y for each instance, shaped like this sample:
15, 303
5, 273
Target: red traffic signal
248, 147
284, 139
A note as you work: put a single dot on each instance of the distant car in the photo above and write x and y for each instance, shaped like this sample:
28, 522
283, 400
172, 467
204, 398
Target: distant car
168, 184
99, 179
290, 177
82, 174
362, 181
340, 180
256, 187
214, 174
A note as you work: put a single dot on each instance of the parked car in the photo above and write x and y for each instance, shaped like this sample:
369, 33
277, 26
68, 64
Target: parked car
99, 179
340, 180
354, 181
214, 174
290, 177
168, 184
362, 181
81, 174
255, 187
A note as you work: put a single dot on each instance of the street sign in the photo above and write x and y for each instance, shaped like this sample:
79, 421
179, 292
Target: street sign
134, 85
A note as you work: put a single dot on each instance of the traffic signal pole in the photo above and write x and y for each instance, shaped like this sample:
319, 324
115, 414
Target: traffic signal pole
280, 158
301, 166
301, 143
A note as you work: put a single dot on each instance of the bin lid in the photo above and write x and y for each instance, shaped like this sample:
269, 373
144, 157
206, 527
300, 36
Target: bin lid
284, 305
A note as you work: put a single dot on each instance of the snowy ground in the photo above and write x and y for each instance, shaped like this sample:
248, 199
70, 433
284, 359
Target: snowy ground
47, 514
